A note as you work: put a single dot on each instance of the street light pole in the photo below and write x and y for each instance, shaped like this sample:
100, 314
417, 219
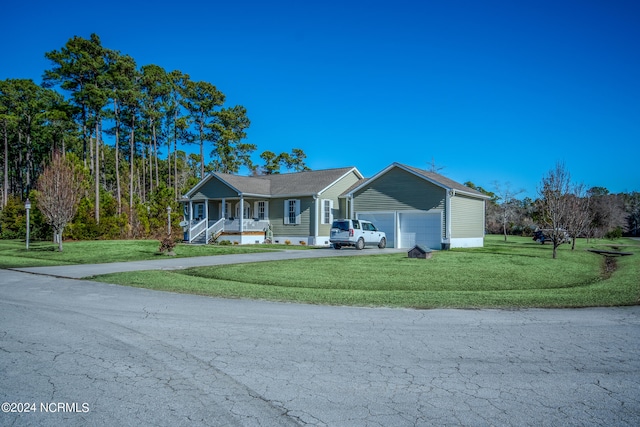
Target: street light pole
169, 219
27, 206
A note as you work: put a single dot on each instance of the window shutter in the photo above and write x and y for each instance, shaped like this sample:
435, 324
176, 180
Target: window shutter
286, 212
297, 211
330, 211
327, 211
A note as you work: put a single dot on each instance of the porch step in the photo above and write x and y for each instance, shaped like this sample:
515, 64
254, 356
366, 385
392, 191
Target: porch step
200, 240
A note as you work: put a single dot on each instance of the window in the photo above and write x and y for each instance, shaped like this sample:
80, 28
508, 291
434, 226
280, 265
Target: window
292, 211
261, 210
341, 225
199, 211
246, 214
327, 211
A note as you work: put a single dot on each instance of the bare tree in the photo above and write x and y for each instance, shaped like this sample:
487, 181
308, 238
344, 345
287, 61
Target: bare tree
607, 210
580, 213
507, 203
555, 210
59, 188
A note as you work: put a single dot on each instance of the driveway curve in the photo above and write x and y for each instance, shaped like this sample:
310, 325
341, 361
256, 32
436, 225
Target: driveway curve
100, 354
169, 263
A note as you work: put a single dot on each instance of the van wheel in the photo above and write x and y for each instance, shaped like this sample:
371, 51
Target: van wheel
360, 244
336, 246
383, 243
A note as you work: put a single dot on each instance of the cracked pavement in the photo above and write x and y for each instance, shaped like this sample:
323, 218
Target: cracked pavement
141, 357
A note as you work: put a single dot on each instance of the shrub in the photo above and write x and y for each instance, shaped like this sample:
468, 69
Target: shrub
167, 244
224, 243
287, 242
302, 242
616, 233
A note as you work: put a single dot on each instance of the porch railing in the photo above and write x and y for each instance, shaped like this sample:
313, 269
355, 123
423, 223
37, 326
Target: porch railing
216, 228
197, 229
247, 225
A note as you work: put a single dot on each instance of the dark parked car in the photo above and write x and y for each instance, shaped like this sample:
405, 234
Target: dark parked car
543, 235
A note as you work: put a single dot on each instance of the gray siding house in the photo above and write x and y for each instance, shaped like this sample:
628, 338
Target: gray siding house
296, 207
412, 206
417, 207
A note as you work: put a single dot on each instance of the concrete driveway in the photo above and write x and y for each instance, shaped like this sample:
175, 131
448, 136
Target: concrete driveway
86, 353
169, 263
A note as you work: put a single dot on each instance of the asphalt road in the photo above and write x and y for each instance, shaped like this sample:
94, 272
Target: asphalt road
86, 353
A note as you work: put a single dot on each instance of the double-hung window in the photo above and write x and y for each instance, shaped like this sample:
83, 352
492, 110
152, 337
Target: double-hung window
327, 211
292, 211
261, 210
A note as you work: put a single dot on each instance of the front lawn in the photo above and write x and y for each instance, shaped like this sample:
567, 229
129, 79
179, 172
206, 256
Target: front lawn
13, 253
518, 273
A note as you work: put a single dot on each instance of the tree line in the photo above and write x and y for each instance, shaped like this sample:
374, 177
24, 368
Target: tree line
563, 208
128, 130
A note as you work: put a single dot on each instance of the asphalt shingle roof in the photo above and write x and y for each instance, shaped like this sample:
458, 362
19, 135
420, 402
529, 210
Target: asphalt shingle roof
298, 183
441, 180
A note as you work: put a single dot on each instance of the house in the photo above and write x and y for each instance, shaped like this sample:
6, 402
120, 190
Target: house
298, 207
412, 206
417, 207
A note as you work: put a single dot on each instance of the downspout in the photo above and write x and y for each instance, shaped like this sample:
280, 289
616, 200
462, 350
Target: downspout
315, 221
447, 236
350, 199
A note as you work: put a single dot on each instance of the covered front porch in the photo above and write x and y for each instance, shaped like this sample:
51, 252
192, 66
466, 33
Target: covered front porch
239, 220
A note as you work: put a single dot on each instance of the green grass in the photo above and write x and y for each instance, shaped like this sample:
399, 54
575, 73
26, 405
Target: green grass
13, 253
518, 273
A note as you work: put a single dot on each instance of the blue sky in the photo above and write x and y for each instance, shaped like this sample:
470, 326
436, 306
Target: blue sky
489, 90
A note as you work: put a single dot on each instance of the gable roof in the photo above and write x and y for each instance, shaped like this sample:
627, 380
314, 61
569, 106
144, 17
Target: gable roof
434, 178
306, 183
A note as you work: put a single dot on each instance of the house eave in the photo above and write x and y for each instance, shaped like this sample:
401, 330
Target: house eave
207, 179
352, 170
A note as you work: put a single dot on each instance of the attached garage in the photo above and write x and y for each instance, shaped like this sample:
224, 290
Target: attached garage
407, 229
420, 229
417, 207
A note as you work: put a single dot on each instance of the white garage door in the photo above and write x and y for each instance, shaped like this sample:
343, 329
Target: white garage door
383, 222
420, 229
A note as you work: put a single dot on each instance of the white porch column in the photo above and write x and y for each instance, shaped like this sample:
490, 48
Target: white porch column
206, 210
190, 211
223, 213
241, 214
